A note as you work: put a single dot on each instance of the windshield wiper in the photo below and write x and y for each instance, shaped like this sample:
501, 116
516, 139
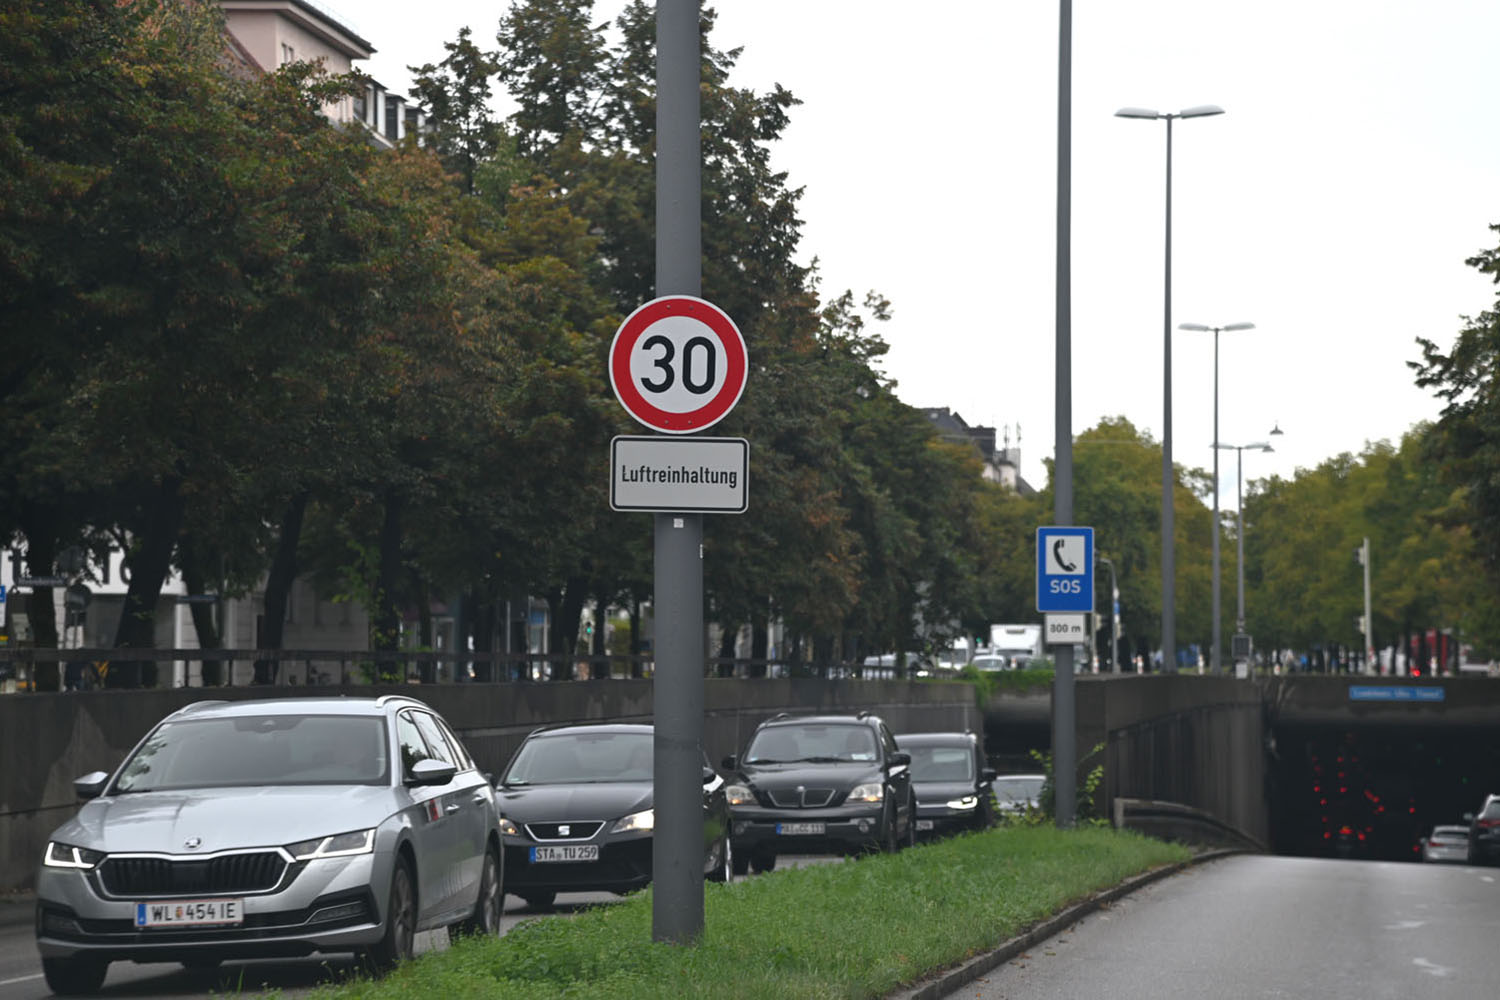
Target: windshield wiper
824, 760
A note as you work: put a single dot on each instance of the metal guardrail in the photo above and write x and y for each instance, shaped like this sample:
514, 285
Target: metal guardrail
1175, 821
29, 669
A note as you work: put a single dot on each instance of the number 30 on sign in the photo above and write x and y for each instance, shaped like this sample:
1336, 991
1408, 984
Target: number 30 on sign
678, 364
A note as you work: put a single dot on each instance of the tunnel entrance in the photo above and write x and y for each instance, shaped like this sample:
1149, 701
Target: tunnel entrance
1373, 791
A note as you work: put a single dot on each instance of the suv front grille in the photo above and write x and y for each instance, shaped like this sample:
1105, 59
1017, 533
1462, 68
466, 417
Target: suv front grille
800, 798
127, 876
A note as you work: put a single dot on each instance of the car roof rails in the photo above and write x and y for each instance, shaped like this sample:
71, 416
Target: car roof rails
390, 699
863, 713
194, 706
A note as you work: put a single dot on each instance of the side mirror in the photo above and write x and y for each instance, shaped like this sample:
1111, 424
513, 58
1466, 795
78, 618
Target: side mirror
91, 785
731, 762
431, 771
708, 774
900, 758
988, 775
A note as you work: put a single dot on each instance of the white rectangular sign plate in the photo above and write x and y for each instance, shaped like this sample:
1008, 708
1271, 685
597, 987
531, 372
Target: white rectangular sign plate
670, 474
1064, 630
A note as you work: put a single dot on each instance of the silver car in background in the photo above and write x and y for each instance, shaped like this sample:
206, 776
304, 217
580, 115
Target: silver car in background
1446, 843
274, 828
1018, 794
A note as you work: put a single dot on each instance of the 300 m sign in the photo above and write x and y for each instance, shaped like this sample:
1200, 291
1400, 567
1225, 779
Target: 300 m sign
678, 364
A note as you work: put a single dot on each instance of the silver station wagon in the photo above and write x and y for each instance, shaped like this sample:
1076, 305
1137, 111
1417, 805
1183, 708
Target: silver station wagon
275, 828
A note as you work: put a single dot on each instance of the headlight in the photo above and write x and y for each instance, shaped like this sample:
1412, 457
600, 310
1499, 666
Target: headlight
643, 820
967, 802
738, 795
508, 828
340, 845
68, 856
872, 791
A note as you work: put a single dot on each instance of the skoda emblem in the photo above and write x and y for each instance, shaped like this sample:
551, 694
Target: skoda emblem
193, 843
564, 830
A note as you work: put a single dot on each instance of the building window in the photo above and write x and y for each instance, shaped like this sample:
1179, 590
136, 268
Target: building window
288, 54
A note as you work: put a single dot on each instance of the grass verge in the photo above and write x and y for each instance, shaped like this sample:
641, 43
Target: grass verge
856, 929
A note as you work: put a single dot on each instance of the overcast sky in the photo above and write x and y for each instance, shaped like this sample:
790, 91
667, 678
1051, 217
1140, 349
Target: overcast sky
1333, 205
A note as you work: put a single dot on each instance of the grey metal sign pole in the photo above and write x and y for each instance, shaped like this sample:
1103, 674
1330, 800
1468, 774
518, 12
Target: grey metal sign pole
1064, 752
677, 844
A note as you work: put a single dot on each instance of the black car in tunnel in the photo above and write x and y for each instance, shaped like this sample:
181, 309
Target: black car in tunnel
1484, 832
577, 816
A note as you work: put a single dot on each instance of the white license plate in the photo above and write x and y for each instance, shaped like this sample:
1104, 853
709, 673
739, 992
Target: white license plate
801, 829
190, 912
924, 824
565, 852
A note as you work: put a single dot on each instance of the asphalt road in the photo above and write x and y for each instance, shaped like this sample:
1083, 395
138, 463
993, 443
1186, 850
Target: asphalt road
21, 967
1275, 927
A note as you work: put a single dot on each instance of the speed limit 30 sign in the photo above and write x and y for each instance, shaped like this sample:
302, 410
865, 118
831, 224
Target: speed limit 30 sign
678, 364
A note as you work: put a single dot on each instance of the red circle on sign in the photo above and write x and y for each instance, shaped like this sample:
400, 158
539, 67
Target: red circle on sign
628, 389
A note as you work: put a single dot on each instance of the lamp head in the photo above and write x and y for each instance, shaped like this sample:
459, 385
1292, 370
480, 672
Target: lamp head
1240, 326
1201, 111
1195, 327
1137, 113
1276, 430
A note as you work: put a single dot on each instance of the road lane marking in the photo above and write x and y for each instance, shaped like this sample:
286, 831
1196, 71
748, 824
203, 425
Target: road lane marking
20, 979
1431, 968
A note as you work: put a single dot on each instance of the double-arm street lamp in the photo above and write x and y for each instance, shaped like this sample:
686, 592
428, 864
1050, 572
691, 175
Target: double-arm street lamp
1214, 664
1239, 506
1168, 549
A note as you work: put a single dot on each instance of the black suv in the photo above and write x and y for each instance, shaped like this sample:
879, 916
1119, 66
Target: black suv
1484, 832
819, 784
953, 786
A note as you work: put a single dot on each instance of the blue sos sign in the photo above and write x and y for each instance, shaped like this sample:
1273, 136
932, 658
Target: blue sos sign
1065, 570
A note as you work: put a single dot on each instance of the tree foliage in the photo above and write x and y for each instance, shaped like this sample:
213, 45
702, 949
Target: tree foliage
248, 346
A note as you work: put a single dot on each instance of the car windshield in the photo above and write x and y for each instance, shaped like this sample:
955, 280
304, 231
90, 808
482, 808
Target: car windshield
812, 742
942, 764
1017, 789
578, 758
259, 750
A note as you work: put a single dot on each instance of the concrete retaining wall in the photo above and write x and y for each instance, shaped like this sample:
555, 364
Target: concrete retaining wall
47, 740
1196, 741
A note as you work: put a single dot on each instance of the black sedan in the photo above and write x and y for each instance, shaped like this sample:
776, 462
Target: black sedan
577, 813
952, 784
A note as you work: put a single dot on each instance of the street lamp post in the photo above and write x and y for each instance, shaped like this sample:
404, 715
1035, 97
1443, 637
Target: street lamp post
1114, 616
1239, 506
1214, 662
1168, 548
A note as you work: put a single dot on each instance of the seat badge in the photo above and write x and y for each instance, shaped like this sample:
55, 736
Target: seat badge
564, 830
193, 843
